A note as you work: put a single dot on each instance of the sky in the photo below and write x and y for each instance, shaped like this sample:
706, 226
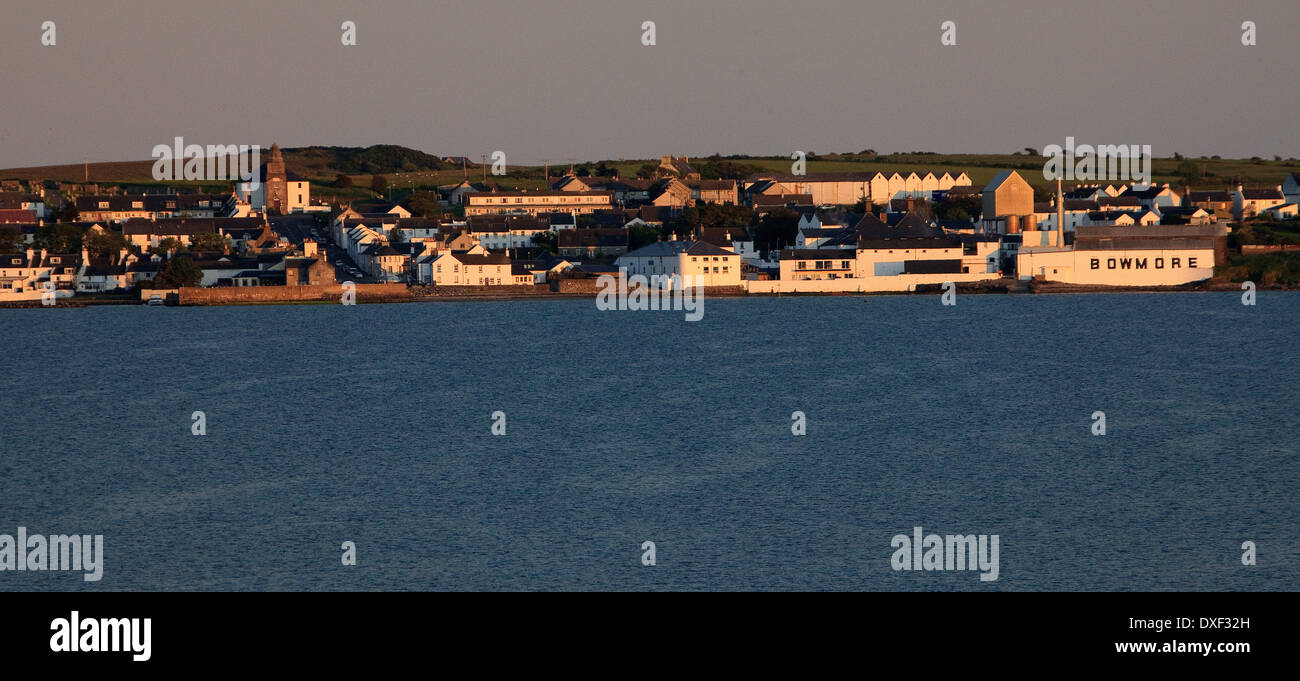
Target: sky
560, 79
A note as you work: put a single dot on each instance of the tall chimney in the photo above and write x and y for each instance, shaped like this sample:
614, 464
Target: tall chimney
1060, 214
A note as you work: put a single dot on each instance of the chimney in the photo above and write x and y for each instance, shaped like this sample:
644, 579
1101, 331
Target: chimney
1060, 215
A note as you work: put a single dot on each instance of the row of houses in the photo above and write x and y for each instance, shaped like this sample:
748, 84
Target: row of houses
1009, 206
26, 275
844, 189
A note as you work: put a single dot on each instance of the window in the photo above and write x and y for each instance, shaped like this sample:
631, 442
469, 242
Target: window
103, 204
134, 204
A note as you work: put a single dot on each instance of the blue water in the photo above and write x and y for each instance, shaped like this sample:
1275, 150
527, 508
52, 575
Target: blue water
371, 424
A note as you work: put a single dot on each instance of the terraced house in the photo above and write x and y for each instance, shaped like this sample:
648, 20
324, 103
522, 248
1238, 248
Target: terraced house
25, 275
461, 268
532, 203
120, 208
577, 243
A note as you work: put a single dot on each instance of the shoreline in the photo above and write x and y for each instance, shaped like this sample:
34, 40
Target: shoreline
996, 287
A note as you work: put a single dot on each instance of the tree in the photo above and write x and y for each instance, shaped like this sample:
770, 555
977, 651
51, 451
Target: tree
424, 204
379, 184
1189, 171
342, 181
776, 230
10, 238
396, 236
59, 238
104, 244
544, 241
168, 246
67, 213
640, 236
177, 272
209, 241
959, 208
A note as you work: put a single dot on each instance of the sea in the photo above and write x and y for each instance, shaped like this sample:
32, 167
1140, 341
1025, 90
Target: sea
774, 444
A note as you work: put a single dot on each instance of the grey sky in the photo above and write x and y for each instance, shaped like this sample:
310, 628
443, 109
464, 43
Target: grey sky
566, 78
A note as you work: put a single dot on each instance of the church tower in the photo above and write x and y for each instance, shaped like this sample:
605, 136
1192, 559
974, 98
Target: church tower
277, 189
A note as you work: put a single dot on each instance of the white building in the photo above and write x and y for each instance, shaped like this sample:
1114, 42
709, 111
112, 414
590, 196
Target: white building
706, 264
1161, 255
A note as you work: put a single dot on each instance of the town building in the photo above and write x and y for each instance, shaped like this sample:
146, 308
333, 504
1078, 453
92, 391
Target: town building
532, 203
706, 264
123, 207
1247, 203
276, 190
580, 243
1158, 255
1008, 202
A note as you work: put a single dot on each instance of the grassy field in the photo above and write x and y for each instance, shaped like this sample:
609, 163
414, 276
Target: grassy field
981, 168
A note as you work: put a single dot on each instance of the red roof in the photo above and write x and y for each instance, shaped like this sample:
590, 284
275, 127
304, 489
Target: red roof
17, 215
